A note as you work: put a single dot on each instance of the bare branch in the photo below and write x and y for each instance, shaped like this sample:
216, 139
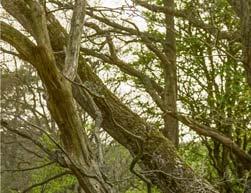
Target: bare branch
74, 41
6, 125
19, 41
191, 18
29, 169
46, 181
204, 130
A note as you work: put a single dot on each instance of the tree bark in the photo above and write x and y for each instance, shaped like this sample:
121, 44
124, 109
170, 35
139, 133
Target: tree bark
242, 8
170, 90
159, 161
60, 101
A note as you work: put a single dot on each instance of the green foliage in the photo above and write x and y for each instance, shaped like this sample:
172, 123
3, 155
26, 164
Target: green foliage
211, 89
141, 188
55, 186
47, 141
196, 155
40, 175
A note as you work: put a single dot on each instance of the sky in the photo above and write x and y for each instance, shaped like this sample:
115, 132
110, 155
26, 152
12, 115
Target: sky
139, 21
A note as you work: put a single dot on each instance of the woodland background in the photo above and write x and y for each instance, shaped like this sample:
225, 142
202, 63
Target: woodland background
143, 96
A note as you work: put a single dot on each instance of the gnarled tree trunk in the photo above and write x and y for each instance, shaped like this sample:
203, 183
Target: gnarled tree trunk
159, 159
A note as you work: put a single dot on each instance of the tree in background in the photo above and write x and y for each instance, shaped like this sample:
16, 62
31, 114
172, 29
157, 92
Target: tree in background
185, 65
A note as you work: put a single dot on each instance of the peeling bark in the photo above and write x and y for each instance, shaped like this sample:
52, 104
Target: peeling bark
79, 157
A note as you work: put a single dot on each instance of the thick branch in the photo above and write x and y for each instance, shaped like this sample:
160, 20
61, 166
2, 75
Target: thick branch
19, 41
159, 153
60, 101
74, 41
242, 9
206, 131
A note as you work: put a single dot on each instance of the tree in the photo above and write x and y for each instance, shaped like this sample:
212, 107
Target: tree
69, 78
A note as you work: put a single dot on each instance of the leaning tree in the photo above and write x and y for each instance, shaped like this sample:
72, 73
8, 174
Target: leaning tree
65, 61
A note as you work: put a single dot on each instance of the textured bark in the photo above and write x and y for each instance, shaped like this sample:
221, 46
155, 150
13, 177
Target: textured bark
159, 161
60, 101
170, 92
242, 9
74, 41
246, 38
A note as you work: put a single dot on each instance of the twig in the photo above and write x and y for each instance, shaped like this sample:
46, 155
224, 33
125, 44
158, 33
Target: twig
28, 169
37, 143
134, 162
46, 181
